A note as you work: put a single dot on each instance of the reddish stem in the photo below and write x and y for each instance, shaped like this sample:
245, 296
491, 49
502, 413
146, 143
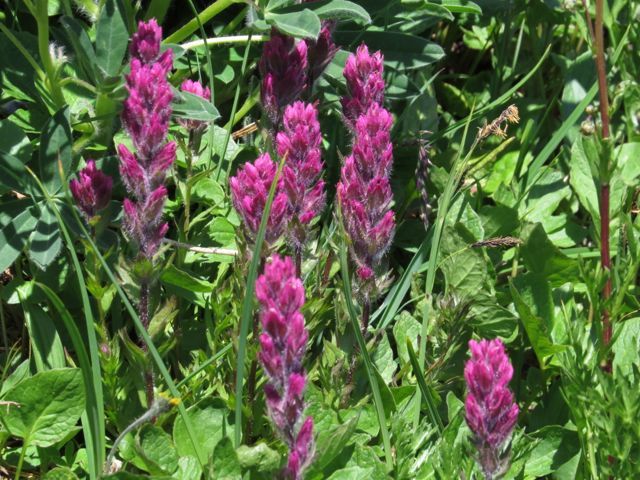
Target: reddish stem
605, 256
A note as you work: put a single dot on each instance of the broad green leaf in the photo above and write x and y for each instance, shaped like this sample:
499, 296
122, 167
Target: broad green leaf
157, 450
556, 447
13, 175
329, 443
406, 328
112, 38
193, 107
60, 473
225, 464
536, 330
45, 342
55, 151
211, 420
14, 141
459, 6
46, 240
14, 236
330, 9
464, 267
401, 51
352, 473
259, 457
51, 403
179, 278
188, 469
304, 24
543, 257
209, 190
383, 359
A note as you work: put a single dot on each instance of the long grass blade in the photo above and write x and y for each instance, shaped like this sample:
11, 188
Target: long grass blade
426, 392
246, 315
369, 366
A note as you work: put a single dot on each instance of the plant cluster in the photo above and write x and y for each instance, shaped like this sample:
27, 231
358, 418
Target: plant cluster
325, 239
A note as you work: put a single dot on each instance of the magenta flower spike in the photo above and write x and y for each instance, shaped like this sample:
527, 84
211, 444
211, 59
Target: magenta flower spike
300, 141
92, 190
491, 412
283, 67
365, 196
146, 115
249, 193
283, 344
365, 83
195, 88
321, 51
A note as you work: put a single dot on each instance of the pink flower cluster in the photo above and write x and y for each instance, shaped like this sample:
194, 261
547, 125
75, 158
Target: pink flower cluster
92, 190
283, 344
491, 412
284, 74
195, 88
363, 73
289, 67
249, 193
146, 115
364, 190
300, 141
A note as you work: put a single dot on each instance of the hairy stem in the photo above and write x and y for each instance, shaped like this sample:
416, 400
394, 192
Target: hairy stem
143, 312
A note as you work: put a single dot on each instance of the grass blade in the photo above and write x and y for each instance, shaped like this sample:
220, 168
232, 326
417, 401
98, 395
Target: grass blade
247, 305
370, 368
422, 384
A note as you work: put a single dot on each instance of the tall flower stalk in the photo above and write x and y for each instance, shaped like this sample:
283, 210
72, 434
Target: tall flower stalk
146, 115
364, 190
282, 347
300, 141
491, 412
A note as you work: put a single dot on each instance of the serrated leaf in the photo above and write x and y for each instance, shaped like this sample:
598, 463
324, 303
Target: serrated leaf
259, 457
60, 473
51, 403
157, 450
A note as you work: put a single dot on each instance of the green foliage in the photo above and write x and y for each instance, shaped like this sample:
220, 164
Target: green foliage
510, 246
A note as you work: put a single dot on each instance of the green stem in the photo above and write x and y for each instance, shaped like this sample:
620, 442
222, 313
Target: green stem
42, 21
23, 451
205, 16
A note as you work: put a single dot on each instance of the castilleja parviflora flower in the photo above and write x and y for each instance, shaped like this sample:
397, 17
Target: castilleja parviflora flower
300, 141
283, 343
146, 115
92, 190
491, 412
364, 190
249, 193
